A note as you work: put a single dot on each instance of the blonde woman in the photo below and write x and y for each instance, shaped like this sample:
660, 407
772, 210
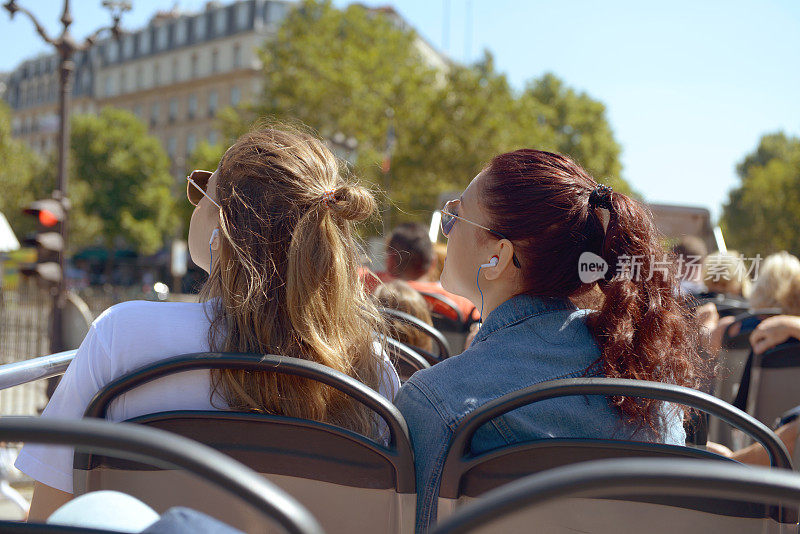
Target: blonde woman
398, 295
775, 274
273, 226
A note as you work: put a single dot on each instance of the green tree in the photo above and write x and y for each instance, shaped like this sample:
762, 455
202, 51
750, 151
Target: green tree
775, 146
121, 188
579, 128
763, 212
20, 177
343, 70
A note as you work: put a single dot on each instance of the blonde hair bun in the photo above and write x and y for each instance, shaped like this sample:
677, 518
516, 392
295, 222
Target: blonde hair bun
353, 202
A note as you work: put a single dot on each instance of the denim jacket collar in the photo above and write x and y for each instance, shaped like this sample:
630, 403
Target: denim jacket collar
518, 308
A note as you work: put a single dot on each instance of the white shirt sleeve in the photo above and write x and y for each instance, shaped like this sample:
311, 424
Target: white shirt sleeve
89, 370
390, 380
388, 387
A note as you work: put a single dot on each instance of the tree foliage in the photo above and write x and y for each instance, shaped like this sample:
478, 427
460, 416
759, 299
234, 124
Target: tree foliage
762, 214
121, 188
360, 72
20, 177
575, 124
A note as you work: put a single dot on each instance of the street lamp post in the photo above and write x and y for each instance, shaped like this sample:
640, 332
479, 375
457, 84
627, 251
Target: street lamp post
66, 46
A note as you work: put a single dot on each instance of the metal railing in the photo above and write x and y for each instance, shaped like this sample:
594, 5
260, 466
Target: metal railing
18, 373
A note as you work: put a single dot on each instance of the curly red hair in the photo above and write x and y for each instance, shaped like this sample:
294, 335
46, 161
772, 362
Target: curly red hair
645, 329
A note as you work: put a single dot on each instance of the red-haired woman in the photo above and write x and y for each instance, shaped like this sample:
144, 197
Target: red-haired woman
516, 237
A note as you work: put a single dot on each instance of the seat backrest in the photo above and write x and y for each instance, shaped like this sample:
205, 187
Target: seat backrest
448, 319
467, 475
773, 382
350, 482
441, 345
444, 306
653, 495
140, 444
730, 367
405, 359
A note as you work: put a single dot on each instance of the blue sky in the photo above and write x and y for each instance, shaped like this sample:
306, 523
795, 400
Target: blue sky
689, 86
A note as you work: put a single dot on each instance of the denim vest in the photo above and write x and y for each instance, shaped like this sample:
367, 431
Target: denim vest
524, 341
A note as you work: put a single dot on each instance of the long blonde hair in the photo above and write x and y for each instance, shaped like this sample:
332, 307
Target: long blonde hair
286, 278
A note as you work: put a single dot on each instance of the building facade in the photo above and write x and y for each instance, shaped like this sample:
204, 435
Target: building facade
175, 75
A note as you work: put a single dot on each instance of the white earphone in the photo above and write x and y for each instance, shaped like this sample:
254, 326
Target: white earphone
492, 262
214, 234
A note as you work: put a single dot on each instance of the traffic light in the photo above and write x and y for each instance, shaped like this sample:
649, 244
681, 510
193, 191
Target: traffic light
48, 241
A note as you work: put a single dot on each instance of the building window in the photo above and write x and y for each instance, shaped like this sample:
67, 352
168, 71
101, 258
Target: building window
236, 96
200, 28
212, 104
162, 37
242, 15
194, 69
276, 12
112, 51
214, 60
191, 141
180, 32
192, 105
173, 109
237, 56
144, 42
156, 75
123, 82
155, 112
221, 21
127, 47
139, 77
172, 147
108, 86
176, 71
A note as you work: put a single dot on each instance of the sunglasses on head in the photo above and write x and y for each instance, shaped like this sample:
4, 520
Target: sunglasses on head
450, 215
196, 184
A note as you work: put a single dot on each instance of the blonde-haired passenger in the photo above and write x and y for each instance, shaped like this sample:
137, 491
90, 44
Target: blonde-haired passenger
790, 297
775, 275
273, 227
776, 286
398, 295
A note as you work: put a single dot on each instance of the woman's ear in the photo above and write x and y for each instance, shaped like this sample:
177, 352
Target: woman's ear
504, 254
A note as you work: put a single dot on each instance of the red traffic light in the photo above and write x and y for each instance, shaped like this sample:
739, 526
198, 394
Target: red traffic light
49, 211
47, 218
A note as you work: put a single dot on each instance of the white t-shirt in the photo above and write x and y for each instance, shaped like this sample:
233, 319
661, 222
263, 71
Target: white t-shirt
125, 337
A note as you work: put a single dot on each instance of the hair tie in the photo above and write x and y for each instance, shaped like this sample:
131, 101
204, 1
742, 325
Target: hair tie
601, 198
328, 197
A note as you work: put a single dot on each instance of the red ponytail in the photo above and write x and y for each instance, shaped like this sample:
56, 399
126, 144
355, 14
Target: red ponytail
540, 201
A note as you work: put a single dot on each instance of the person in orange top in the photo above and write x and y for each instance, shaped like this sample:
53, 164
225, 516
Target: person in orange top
409, 257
